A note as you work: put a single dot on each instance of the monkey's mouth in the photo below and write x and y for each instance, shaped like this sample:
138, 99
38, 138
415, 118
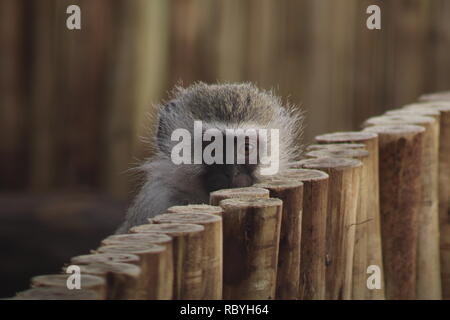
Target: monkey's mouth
241, 181
228, 176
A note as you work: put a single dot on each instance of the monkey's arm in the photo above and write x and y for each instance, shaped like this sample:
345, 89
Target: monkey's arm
153, 199
166, 185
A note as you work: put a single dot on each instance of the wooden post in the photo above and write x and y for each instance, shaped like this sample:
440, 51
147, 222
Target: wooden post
144, 239
197, 208
400, 155
360, 256
153, 283
249, 192
444, 188
335, 146
288, 274
428, 262
57, 294
187, 256
212, 249
87, 282
313, 240
374, 247
251, 233
343, 192
122, 279
106, 258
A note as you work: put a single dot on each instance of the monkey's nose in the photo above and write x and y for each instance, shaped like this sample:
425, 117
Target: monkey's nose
241, 180
237, 178
231, 172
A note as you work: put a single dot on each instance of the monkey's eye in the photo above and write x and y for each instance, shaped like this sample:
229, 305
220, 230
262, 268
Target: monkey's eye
247, 148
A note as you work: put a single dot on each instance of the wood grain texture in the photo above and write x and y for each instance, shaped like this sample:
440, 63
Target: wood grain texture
154, 263
444, 183
187, 256
288, 272
428, 253
251, 233
212, 263
313, 241
122, 279
374, 248
343, 194
400, 156
360, 258
148, 239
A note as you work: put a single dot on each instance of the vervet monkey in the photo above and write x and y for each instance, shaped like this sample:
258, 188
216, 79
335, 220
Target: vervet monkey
220, 107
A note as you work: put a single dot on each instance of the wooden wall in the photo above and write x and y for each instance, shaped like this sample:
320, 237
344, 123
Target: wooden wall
73, 104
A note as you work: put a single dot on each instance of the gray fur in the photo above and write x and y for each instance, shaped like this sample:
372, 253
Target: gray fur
218, 105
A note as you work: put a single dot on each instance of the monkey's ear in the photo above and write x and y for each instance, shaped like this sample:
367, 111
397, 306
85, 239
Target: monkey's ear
166, 117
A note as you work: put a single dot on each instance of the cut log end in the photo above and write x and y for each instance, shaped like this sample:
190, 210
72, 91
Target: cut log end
60, 280
249, 192
306, 175
197, 208
102, 269
105, 258
416, 112
398, 129
349, 153
340, 137
173, 229
331, 163
279, 183
190, 218
398, 120
57, 294
157, 238
133, 248
244, 203
335, 146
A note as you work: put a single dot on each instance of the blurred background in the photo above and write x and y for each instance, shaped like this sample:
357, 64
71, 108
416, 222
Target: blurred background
74, 104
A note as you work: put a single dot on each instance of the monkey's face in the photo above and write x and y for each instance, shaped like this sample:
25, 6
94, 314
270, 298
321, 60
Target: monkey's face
235, 175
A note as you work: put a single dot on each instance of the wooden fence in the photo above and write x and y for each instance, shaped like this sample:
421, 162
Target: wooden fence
364, 216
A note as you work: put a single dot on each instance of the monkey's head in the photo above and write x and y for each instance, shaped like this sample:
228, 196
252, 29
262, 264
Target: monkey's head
234, 131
